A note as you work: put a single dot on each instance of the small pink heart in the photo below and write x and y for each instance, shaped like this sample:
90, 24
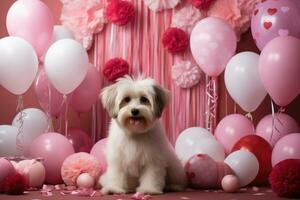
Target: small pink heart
283, 32
285, 9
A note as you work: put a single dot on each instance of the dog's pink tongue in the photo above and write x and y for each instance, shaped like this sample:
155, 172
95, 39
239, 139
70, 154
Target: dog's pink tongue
134, 122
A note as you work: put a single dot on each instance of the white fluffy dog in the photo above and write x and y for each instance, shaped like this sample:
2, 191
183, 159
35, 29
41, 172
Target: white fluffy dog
139, 156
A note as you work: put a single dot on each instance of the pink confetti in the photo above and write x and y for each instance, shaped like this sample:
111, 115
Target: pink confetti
140, 196
184, 198
255, 189
259, 194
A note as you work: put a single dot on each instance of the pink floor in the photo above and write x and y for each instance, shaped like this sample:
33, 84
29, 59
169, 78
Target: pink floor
244, 194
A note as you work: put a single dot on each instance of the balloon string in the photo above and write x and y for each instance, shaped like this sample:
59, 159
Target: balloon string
20, 119
49, 107
273, 120
281, 110
212, 102
66, 114
249, 115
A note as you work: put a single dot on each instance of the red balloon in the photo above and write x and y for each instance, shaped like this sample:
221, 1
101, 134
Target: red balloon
80, 140
263, 152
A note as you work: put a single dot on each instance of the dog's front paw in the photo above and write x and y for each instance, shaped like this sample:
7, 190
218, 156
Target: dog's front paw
149, 190
112, 190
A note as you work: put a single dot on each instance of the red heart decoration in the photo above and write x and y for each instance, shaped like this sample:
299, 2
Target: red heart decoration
263, 1
255, 12
267, 25
272, 11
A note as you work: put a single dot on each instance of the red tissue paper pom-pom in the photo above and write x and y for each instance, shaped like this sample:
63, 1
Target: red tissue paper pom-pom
115, 68
120, 12
14, 184
202, 4
175, 40
285, 178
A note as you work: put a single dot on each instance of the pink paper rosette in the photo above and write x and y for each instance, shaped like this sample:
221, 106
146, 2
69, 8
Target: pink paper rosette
236, 12
159, 5
186, 17
84, 18
185, 74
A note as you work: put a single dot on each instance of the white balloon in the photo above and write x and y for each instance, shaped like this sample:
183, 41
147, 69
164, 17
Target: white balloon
244, 164
18, 64
8, 139
210, 147
187, 139
61, 32
243, 82
35, 123
66, 65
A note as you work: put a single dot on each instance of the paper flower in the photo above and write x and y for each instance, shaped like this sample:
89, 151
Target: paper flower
120, 12
236, 12
84, 18
14, 184
285, 178
158, 5
79, 163
175, 40
115, 68
185, 74
202, 4
186, 17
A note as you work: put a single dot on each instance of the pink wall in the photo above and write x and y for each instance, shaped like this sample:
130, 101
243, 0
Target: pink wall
226, 106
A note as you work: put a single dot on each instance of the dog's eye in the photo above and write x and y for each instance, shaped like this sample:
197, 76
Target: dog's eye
144, 100
126, 99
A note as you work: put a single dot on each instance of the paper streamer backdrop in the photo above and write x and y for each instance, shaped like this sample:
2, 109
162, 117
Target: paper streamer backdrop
140, 44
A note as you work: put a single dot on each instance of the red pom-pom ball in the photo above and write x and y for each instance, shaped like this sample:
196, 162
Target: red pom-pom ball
120, 12
14, 184
202, 4
175, 40
285, 178
115, 68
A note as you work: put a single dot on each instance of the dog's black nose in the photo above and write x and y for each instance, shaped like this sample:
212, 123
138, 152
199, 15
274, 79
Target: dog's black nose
135, 112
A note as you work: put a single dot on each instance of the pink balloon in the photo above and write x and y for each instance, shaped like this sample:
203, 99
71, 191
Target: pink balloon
286, 148
54, 106
99, 151
272, 19
31, 20
279, 69
283, 125
232, 128
213, 43
54, 148
6, 169
80, 140
86, 94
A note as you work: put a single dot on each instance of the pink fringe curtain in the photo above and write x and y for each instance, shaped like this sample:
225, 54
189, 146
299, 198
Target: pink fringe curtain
140, 44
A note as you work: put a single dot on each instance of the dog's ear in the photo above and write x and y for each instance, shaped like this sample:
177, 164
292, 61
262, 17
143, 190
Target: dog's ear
108, 97
161, 99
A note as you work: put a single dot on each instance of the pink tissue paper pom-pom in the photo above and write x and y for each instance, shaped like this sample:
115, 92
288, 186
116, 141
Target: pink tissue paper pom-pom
159, 5
236, 12
186, 17
185, 74
84, 18
79, 163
